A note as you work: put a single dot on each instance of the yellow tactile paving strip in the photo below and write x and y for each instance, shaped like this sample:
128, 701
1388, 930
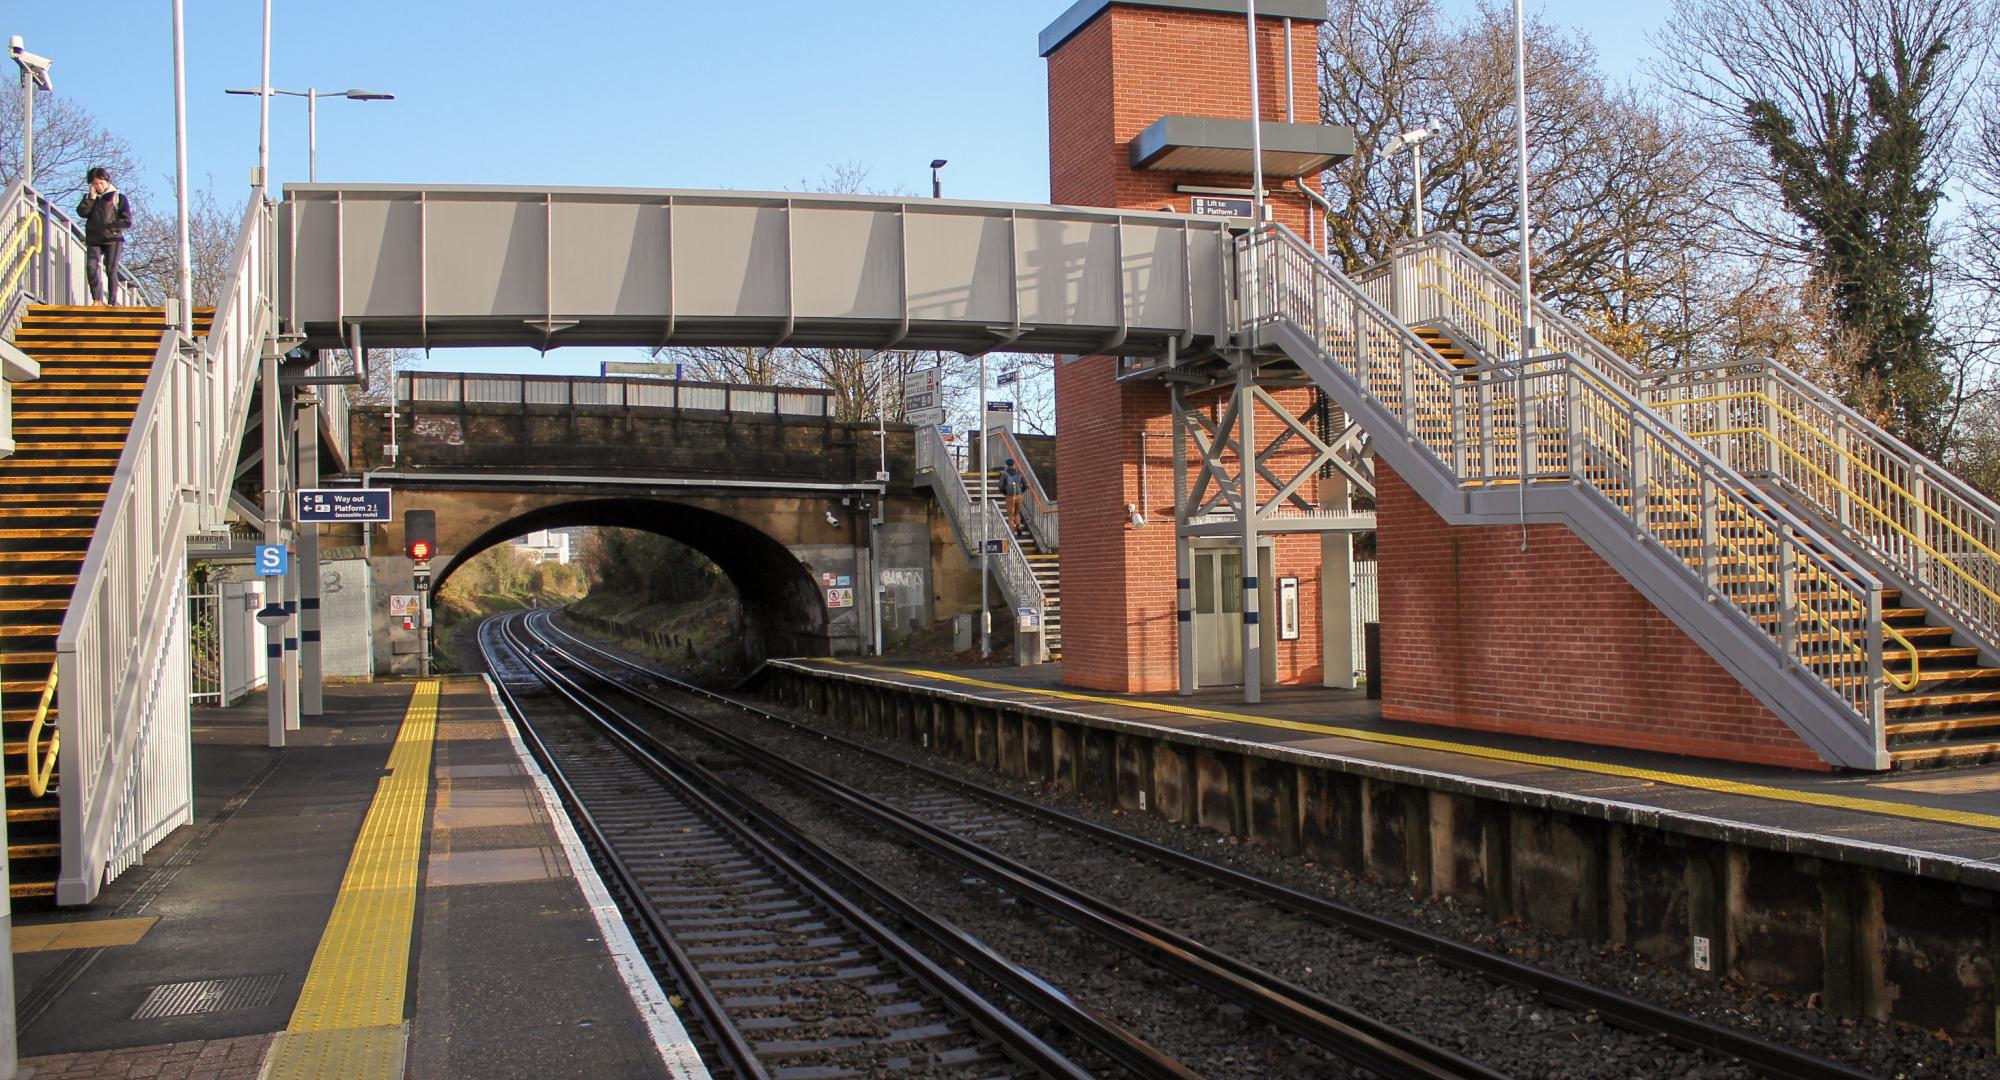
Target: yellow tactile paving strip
1884, 807
349, 1019
88, 934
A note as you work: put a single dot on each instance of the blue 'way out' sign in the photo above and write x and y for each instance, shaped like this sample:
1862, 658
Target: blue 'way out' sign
272, 560
344, 504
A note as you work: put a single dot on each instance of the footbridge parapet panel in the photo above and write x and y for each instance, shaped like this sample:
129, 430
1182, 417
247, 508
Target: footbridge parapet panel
546, 267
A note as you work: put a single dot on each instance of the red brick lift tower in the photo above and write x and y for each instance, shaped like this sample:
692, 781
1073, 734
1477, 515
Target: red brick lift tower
1149, 109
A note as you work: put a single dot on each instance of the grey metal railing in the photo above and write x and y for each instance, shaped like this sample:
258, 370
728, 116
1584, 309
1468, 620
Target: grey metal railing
971, 523
1559, 419
121, 652
634, 393
1929, 531
1038, 511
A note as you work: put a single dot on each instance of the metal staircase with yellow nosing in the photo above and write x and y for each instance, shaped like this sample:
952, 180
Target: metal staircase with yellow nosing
1046, 565
1950, 716
70, 426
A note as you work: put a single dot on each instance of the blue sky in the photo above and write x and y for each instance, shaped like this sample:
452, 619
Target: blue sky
669, 94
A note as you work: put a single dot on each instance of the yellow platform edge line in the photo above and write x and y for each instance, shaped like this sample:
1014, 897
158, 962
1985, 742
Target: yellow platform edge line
351, 1007
1884, 807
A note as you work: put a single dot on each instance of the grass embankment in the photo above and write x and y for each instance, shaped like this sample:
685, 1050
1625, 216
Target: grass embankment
700, 640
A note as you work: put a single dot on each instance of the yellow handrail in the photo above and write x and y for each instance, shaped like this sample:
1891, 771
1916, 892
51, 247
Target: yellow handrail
1916, 668
17, 249
1859, 498
41, 769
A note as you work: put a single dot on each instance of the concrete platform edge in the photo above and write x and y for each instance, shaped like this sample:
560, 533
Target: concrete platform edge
1933, 866
670, 1038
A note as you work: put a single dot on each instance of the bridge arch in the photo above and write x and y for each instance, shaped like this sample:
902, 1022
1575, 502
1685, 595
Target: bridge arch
784, 612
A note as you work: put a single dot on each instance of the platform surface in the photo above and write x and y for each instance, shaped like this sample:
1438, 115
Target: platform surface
392, 895
1943, 823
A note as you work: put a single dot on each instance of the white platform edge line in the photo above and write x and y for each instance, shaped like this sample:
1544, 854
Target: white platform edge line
670, 1038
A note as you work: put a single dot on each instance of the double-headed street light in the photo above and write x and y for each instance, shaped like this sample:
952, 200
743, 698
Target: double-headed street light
1414, 139
312, 96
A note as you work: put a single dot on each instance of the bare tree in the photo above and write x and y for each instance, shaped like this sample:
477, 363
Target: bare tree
1618, 192
69, 141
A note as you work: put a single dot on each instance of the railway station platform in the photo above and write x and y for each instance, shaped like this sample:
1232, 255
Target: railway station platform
397, 893
1876, 892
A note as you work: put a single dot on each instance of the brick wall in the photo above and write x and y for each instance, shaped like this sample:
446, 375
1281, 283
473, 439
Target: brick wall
1552, 642
1109, 82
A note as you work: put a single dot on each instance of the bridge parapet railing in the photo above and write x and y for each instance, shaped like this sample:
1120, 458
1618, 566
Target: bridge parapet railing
121, 657
972, 523
634, 393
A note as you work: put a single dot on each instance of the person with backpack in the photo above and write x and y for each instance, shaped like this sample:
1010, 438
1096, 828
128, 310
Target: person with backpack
1012, 486
106, 214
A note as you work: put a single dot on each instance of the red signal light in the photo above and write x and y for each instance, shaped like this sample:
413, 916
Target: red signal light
420, 550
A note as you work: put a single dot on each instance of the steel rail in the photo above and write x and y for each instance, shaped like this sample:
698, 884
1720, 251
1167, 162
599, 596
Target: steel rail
716, 798
1339, 1029
1768, 1058
731, 1044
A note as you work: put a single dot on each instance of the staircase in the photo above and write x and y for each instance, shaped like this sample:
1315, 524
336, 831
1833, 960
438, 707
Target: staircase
1045, 565
70, 426
1932, 540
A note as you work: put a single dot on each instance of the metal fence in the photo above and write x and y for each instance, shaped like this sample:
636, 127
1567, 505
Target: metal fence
205, 648
1366, 608
468, 389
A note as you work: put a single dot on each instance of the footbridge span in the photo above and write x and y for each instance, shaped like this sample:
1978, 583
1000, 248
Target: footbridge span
426, 266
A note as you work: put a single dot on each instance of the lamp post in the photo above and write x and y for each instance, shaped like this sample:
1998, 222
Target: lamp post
937, 185
1414, 139
312, 96
34, 76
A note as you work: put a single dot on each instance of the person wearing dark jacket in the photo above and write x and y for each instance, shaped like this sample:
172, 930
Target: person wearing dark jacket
106, 214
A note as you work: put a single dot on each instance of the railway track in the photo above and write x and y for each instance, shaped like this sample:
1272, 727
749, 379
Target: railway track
947, 824
789, 976
1371, 1046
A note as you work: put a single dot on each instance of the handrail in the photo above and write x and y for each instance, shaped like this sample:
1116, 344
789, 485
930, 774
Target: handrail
1040, 512
1925, 525
40, 769
1561, 418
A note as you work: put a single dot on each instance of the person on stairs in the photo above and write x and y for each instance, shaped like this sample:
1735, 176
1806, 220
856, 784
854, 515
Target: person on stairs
106, 214
1012, 486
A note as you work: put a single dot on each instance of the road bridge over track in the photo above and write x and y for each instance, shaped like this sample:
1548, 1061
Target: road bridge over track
778, 495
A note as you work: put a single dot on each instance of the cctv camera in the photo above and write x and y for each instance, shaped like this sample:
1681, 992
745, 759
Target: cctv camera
830, 519
36, 67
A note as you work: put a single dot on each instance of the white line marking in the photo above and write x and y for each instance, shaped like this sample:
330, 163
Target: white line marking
670, 1039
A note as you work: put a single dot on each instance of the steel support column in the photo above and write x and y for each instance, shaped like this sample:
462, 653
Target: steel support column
1188, 681
311, 697
1246, 474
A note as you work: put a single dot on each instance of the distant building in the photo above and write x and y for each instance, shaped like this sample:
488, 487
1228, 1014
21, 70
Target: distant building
547, 545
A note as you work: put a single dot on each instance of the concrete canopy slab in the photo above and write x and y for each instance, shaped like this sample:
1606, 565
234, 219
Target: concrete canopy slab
1213, 145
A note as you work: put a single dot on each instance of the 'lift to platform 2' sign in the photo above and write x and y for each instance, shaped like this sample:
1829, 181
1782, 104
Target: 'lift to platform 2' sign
344, 504
1222, 207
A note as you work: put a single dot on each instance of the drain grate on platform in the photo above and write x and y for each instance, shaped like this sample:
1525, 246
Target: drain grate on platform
208, 996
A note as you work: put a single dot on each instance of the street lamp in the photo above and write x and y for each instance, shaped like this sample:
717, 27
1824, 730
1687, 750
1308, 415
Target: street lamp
1414, 139
34, 76
937, 185
312, 96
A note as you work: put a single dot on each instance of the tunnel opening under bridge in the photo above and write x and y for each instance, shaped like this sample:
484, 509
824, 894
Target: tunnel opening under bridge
783, 610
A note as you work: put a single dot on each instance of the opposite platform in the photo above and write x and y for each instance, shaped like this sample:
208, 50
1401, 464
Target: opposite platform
1939, 824
396, 893
1875, 897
